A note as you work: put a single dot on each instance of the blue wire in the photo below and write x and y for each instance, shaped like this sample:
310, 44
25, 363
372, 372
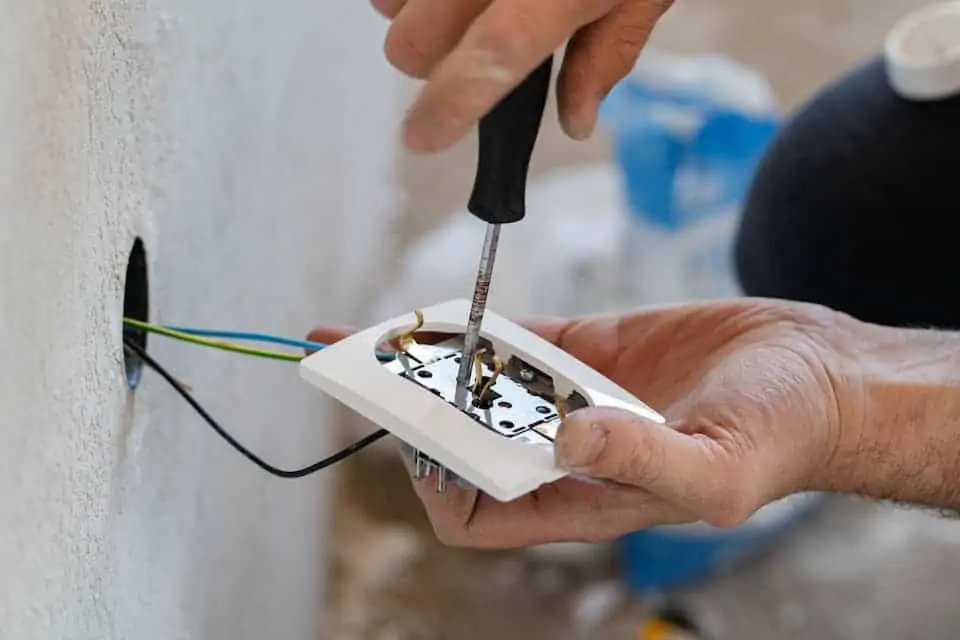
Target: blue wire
250, 336
261, 337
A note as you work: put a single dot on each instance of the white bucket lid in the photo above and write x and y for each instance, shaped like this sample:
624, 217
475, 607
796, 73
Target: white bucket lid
923, 53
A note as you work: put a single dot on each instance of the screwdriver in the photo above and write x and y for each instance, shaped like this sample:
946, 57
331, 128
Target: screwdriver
506, 136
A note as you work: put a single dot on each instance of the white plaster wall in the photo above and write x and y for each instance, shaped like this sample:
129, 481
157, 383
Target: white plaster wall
250, 143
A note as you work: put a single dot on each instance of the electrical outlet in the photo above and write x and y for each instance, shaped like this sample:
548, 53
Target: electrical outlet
502, 441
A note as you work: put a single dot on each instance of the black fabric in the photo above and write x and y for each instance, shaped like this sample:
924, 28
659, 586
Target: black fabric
856, 205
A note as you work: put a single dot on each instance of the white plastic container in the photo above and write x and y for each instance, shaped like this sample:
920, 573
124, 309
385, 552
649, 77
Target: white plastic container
922, 53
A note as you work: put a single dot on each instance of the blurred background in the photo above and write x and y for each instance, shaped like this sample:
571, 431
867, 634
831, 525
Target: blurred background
810, 568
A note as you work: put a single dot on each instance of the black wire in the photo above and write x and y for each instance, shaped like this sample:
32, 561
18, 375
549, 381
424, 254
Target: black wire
249, 455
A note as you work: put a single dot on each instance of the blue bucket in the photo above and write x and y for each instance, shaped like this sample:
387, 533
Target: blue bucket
665, 558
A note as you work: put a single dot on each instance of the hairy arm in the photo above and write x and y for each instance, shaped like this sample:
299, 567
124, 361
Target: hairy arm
902, 440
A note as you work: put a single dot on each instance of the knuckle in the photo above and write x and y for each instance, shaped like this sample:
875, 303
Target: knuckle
406, 53
629, 39
632, 35
506, 41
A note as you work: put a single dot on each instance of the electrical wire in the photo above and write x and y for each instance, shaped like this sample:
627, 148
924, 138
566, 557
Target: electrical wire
406, 340
561, 404
249, 455
199, 337
497, 370
216, 344
249, 336
478, 368
252, 336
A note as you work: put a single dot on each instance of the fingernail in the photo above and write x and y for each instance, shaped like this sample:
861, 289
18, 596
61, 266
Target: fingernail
580, 123
579, 444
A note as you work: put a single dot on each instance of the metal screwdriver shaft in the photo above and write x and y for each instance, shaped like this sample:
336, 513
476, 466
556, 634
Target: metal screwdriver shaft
507, 136
479, 304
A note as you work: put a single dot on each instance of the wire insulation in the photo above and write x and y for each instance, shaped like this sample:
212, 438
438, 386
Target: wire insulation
216, 344
249, 336
249, 455
406, 340
200, 337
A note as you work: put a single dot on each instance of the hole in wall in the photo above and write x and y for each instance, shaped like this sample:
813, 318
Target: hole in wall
136, 305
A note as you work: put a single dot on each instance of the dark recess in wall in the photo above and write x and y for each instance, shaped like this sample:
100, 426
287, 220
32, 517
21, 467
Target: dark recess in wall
136, 305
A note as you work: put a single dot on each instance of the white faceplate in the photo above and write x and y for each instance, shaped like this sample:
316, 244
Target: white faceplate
505, 468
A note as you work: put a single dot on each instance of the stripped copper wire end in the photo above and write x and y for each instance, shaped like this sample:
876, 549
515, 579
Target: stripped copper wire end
406, 340
497, 370
561, 404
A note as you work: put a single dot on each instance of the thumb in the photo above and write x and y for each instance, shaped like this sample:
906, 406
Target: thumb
620, 446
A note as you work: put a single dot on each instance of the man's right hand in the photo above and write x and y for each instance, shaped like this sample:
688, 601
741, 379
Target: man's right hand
473, 52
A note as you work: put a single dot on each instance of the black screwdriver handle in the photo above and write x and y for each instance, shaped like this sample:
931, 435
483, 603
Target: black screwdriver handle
507, 136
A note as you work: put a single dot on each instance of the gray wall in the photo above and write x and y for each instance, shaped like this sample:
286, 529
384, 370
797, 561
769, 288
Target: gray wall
250, 144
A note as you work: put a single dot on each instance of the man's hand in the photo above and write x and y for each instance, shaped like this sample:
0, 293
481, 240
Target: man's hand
473, 52
758, 403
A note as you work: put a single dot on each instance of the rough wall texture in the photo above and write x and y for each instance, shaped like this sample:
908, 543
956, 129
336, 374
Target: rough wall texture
251, 148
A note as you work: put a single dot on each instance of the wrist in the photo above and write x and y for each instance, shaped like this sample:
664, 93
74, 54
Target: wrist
900, 434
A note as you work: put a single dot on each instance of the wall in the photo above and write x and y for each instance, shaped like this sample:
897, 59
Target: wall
251, 148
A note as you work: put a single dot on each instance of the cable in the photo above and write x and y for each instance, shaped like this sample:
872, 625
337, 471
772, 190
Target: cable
405, 340
497, 370
216, 344
196, 336
250, 336
478, 368
249, 455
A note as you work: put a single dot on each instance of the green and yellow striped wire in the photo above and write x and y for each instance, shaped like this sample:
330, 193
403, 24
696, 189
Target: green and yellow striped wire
207, 342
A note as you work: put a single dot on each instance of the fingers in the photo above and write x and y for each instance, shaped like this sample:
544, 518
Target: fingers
571, 510
684, 469
499, 49
328, 335
449, 512
425, 31
598, 57
389, 8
